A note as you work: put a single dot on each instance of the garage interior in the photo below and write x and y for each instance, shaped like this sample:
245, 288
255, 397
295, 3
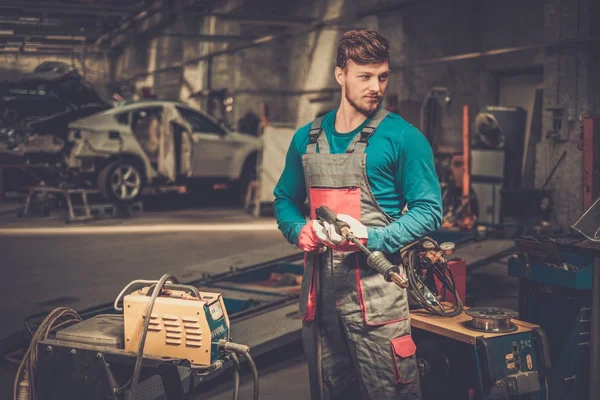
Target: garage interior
146, 137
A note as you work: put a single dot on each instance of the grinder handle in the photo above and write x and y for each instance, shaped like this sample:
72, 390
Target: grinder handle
326, 214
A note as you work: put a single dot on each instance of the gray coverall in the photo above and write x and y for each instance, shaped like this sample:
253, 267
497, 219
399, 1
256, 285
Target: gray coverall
356, 326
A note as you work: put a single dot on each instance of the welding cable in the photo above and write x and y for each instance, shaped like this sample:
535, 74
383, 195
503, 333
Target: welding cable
140, 354
126, 288
445, 277
236, 375
254, 373
244, 350
56, 319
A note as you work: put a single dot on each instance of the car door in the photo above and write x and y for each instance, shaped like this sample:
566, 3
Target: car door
176, 151
212, 148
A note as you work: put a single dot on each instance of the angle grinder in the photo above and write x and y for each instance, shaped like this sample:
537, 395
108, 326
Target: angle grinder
375, 259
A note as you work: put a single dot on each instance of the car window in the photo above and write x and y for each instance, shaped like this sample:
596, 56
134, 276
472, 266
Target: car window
142, 117
123, 118
199, 122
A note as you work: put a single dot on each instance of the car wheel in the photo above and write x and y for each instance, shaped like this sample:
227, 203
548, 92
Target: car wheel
121, 182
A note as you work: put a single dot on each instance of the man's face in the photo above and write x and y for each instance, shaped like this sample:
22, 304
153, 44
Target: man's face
364, 85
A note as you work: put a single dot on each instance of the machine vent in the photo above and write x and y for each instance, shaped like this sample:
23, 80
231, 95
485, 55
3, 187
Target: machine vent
193, 332
154, 323
173, 334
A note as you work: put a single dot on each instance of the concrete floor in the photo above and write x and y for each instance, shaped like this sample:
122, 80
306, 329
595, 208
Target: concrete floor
61, 266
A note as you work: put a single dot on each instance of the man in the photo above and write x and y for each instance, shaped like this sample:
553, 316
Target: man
366, 165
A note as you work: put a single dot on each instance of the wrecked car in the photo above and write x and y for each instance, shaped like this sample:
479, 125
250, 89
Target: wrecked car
123, 149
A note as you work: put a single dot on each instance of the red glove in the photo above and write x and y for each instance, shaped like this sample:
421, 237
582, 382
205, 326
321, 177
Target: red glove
308, 239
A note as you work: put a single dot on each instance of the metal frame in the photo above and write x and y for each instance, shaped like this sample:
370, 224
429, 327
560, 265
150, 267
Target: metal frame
67, 193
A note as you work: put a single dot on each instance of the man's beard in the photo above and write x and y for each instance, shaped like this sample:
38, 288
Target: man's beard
365, 111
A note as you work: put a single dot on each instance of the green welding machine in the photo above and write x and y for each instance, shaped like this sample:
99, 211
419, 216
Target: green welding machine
484, 353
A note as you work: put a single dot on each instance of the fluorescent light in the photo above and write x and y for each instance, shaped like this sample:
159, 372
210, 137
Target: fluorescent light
8, 32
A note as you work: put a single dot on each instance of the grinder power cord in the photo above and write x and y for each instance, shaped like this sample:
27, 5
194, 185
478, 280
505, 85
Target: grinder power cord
423, 258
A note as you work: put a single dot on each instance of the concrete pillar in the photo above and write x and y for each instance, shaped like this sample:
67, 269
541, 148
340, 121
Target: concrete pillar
321, 61
566, 82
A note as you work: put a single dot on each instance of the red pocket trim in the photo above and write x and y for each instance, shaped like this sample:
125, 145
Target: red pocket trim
339, 200
311, 302
404, 346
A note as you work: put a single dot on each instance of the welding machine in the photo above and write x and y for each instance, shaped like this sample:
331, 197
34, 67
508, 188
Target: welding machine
483, 353
168, 339
181, 325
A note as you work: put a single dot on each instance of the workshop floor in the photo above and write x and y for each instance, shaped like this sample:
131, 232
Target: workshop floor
47, 263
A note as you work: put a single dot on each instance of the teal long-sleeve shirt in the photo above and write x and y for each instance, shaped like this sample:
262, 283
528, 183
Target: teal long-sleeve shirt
400, 170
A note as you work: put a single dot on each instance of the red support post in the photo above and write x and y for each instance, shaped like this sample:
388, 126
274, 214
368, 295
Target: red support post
466, 186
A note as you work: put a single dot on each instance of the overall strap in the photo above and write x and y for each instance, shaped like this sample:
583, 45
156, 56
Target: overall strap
359, 144
316, 137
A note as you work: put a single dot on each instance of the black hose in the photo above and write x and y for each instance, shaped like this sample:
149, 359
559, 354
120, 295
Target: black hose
140, 354
444, 275
236, 375
254, 374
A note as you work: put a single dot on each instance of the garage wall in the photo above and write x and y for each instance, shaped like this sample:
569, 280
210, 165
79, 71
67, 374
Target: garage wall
568, 79
435, 29
295, 75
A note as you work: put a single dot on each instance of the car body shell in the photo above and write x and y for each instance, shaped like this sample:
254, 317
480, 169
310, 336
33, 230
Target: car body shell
215, 153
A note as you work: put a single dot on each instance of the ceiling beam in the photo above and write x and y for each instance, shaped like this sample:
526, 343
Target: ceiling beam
58, 34
263, 19
135, 20
210, 38
28, 50
63, 8
18, 30
386, 8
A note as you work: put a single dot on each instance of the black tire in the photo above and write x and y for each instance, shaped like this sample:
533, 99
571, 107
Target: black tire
121, 182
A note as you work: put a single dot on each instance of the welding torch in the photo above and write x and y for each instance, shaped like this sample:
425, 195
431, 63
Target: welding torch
375, 259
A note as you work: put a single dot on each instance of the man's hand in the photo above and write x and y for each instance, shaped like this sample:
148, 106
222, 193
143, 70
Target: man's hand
327, 234
309, 239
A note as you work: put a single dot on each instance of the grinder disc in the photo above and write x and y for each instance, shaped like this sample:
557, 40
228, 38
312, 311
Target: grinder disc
491, 319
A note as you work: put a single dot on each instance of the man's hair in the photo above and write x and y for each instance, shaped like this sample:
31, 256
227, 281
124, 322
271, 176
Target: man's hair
363, 46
